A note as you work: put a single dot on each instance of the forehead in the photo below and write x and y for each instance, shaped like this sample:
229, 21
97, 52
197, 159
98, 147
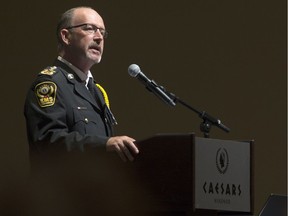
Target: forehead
87, 15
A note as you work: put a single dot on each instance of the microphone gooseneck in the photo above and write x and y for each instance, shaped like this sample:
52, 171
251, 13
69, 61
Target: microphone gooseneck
135, 71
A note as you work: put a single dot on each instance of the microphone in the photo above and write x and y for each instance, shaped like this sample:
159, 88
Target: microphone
135, 71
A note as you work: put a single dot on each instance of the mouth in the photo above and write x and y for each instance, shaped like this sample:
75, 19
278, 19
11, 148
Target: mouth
95, 48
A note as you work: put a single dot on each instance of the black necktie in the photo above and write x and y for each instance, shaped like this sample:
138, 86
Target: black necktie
92, 89
91, 86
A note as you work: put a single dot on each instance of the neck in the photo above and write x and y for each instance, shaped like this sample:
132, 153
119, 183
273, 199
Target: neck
81, 65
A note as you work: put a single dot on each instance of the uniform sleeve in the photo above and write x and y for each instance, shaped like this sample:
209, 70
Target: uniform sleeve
46, 120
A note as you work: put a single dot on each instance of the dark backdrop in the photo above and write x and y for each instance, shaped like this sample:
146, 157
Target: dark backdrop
225, 57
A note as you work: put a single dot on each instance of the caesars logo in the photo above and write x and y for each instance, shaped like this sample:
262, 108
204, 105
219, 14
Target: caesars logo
222, 160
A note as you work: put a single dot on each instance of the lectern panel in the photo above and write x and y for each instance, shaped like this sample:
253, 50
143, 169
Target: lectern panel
222, 175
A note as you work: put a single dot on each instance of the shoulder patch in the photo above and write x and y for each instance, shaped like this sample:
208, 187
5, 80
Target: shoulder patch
49, 71
46, 93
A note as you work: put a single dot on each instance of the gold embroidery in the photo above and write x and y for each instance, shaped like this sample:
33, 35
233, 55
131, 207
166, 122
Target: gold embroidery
49, 71
46, 93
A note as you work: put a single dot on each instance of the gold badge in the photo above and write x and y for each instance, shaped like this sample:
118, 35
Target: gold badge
49, 71
46, 93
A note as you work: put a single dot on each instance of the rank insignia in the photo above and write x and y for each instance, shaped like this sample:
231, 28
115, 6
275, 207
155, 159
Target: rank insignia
46, 93
49, 71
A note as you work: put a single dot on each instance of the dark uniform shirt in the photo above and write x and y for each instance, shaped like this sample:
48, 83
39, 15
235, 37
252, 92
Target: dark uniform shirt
61, 112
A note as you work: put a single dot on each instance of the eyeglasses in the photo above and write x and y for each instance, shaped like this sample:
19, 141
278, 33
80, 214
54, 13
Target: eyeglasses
90, 29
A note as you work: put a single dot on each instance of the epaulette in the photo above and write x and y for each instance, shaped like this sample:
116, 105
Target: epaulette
49, 71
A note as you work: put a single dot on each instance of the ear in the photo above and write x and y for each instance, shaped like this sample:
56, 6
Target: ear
65, 35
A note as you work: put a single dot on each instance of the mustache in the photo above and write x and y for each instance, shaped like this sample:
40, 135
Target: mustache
95, 46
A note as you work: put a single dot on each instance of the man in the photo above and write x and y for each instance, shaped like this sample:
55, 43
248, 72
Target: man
62, 108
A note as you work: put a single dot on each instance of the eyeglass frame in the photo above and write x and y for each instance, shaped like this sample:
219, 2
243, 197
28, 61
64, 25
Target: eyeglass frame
102, 31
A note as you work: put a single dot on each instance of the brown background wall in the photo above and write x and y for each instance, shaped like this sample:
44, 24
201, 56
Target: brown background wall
225, 57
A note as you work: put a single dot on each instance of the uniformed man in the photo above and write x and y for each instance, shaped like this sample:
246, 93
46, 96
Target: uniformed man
64, 107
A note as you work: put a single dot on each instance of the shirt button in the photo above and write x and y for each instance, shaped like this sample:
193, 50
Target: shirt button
86, 120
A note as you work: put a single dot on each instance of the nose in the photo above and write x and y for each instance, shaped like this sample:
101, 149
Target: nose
98, 37
98, 33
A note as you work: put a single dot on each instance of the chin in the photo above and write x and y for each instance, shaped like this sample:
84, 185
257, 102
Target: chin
96, 60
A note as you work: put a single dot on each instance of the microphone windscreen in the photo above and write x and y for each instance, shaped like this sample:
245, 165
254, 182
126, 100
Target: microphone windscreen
134, 70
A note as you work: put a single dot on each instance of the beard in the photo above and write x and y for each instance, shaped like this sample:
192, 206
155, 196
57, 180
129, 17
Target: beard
94, 55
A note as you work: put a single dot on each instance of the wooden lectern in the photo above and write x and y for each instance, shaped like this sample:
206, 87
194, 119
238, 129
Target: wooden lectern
186, 175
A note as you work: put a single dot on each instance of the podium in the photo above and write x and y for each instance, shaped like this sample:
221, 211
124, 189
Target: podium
182, 174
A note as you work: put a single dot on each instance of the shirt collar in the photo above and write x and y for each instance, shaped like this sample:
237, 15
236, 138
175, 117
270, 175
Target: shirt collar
80, 74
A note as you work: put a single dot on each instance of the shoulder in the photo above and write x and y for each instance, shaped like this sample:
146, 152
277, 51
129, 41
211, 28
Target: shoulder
55, 73
45, 85
50, 73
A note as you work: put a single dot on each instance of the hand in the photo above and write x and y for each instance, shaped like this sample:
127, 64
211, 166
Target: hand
124, 146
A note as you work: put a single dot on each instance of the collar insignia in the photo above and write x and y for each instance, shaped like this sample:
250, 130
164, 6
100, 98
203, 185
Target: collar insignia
70, 76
